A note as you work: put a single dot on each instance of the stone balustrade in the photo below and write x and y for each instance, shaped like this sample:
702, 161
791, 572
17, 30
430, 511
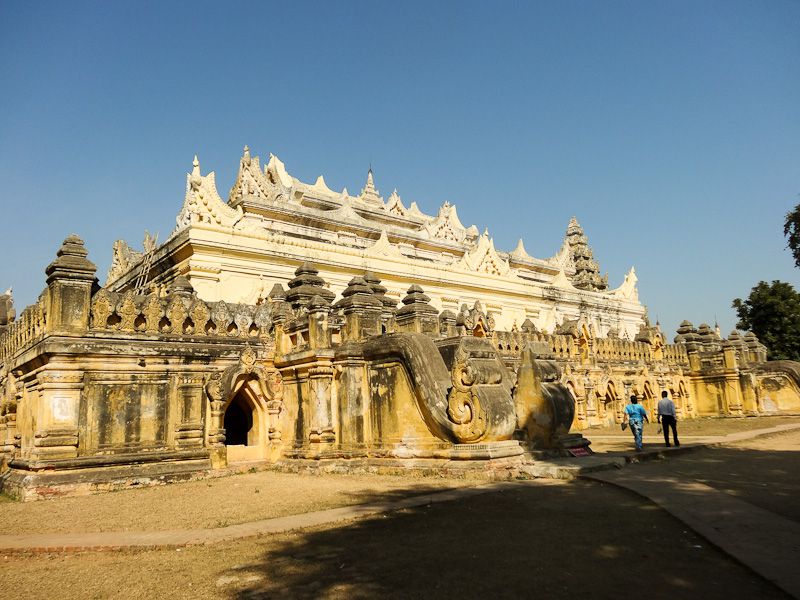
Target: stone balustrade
177, 314
23, 332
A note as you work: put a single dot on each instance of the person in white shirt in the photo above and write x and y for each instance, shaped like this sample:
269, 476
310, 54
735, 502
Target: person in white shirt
668, 418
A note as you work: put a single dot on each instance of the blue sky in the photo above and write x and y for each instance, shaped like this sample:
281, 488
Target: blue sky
670, 129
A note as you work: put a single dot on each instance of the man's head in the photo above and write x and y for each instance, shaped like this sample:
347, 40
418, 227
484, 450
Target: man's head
634, 400
664, 394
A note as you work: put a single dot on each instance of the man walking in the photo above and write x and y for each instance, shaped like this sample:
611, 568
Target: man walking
636, 415
667, 418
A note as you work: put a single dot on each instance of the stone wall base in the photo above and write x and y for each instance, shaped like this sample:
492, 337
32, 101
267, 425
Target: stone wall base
489, 469
29, 481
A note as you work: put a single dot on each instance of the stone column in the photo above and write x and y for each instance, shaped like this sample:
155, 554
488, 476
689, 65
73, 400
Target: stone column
188, 406
319, 335
56, 435
320, 385
216, 426
12, 440
591, 408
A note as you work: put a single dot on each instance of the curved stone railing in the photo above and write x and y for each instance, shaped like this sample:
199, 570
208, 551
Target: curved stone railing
470, 404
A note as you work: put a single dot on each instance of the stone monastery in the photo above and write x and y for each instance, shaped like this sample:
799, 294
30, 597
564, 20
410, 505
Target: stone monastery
308, 328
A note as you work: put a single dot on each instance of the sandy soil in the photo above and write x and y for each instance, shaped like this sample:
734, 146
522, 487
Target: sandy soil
210, 503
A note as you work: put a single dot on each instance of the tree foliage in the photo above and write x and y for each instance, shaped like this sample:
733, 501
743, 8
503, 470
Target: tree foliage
791, 230
772, 312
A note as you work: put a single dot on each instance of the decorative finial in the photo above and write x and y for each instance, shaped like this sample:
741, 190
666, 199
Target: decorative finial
196, 179
369, 193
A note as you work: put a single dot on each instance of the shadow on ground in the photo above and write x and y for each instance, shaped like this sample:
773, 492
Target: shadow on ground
769, 479
551, 540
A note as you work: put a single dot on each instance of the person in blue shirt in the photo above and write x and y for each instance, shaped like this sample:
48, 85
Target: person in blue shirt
636, 415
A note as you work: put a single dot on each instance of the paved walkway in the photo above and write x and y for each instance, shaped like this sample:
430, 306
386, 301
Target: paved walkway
767, 543
614, 452
624, 441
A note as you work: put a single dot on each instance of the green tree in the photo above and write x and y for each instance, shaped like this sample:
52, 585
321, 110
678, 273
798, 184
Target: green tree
772, 312
791, 230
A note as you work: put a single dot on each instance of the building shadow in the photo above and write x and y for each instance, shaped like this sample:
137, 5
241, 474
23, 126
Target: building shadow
551, 540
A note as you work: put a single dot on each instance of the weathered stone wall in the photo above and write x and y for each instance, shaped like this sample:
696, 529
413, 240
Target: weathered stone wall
100, 389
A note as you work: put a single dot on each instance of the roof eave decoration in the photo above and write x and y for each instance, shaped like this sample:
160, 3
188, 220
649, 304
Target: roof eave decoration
394, 205
321, 186
202, 203
252, 183
628, 290
346, 212
562, 281
414, 211
277, 169
563, 259
447, 226
520, 254
122, 260
485, 259
383, 247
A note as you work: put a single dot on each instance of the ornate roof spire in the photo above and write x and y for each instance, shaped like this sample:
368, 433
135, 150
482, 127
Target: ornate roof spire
587, 271
370, 193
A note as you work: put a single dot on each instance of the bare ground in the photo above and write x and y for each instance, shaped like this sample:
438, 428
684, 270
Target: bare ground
543, 539
210, 503
552, 540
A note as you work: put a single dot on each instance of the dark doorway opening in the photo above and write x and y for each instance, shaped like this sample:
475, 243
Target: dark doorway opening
238, 422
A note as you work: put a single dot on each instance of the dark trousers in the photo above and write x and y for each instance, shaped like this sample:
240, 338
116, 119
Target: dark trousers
667, 422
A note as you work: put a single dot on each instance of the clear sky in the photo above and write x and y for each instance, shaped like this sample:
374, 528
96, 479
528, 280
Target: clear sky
671, 130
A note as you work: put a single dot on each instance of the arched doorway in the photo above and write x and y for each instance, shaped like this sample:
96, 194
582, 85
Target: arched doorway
610, 404
238, 422
243, 424
649, 400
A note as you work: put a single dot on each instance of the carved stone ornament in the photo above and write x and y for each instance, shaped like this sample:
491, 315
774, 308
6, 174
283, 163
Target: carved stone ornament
463, 406
176, 314
248, 359
101, 309
152, 313
214, 387
127, 312
200, 315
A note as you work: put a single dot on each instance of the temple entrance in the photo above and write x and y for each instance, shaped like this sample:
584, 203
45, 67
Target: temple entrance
610, 401
242, 422
649, 401
238, 422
